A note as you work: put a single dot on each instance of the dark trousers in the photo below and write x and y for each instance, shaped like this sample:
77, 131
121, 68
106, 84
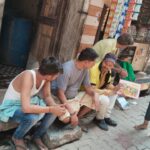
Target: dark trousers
147, 115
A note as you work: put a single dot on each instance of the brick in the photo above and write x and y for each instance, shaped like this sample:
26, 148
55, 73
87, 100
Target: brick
99, 3
83, 46
91, 20
94, 11
87, 39
89, 30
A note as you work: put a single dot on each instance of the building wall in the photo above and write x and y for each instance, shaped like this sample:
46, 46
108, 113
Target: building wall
2, 3
91, 23
146, 68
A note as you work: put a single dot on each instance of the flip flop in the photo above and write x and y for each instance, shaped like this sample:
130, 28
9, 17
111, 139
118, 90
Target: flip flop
13, 146
40, 147
19, 146
139, 128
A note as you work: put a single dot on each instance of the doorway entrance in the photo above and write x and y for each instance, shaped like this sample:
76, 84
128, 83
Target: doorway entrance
19, 24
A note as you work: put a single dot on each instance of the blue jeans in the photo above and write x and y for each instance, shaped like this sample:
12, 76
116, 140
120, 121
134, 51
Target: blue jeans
27, 121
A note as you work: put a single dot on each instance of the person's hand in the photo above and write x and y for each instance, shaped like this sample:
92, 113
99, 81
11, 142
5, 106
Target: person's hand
109, 92
69, 107
123, 73
74, 120
117, 87
58, 110
120, 89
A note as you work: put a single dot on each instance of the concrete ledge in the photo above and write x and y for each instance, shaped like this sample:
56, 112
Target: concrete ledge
56, 137
7, 126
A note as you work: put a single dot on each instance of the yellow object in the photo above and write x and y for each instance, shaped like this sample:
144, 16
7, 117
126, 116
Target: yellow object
95, 76
105, 46
104, 92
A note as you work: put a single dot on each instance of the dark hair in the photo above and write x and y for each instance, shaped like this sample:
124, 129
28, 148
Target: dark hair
110, 56
125, 39
124, 54
87, 54
50, 66
123, 57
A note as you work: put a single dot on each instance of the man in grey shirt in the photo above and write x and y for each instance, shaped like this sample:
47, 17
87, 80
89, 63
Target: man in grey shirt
76, 74
72, 79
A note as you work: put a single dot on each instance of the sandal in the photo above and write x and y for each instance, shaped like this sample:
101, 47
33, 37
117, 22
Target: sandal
19, 146
40, 146
140, 127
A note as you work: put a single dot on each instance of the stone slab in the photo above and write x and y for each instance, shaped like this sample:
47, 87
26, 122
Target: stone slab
56, 137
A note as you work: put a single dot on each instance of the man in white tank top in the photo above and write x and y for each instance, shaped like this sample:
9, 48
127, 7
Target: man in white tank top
26, 108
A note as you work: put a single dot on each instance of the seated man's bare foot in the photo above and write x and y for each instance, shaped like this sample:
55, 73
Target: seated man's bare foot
141, 126
19, 144
40, 144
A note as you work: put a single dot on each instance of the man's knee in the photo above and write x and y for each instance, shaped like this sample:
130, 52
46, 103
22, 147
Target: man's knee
32, 118
49, 118
104, 100
113, 97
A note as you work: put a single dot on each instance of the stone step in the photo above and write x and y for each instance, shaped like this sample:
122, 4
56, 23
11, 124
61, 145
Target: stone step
56, 137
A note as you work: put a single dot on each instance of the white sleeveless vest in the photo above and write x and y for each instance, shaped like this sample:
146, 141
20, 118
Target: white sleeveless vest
12, 94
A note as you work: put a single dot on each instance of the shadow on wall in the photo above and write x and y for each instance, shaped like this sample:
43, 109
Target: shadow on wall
148, 69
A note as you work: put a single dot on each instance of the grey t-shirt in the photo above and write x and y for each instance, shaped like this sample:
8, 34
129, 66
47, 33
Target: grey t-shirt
72, 78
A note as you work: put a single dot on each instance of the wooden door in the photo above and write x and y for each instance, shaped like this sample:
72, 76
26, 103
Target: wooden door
60, 28
69, 39
47, 27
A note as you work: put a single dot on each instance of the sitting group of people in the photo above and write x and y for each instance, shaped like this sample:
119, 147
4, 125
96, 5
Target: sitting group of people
84, 87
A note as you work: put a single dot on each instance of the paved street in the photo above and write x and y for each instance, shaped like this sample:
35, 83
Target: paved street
123, 137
